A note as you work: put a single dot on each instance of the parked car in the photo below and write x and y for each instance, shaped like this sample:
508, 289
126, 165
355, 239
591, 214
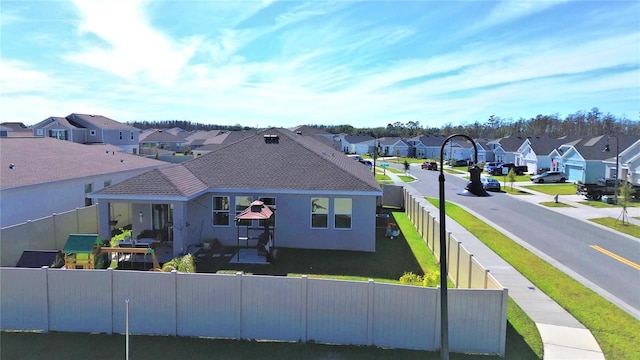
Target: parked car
490, 184
607, 187
518, 169
489, 166
463, 162
550, 176
367, 163
430, 165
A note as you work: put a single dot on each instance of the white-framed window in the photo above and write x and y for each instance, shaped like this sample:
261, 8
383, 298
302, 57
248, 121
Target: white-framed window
243, 202
92, 133
40, 132
342, 208
319, 213
120, 135
132, 135
220, 211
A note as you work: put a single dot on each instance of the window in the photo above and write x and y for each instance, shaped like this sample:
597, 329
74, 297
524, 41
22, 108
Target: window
40, 132
220, 211
132, 135
342, 213
92, 133
88, 188
319, 213
107, 183
120, 134
59, 134
243, 202
271, 203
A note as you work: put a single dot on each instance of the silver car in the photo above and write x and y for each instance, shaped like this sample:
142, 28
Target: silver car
490, 184
550, 176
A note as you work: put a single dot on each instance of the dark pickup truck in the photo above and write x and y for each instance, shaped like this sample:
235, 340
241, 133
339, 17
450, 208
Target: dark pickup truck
519, 170
602, 187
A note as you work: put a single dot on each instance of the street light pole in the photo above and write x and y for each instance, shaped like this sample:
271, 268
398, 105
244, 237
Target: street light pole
606, 148
473, 188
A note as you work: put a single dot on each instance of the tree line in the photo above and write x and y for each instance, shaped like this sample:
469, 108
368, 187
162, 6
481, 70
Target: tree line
582, 123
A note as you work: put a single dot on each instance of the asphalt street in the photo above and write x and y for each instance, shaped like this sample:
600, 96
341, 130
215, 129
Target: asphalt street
568, 242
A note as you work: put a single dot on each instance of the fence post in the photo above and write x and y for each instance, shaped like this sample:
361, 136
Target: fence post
458, 266
48, 296
370, 312
304, 297
239, 305
470, 269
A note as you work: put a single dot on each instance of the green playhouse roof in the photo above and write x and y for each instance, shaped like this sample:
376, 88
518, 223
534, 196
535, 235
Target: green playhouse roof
81, 243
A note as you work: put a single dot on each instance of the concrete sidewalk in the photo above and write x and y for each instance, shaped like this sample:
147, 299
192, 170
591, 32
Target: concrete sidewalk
562, 335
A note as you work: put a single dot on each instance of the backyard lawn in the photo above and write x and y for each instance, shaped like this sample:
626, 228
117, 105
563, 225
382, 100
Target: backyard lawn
393, 257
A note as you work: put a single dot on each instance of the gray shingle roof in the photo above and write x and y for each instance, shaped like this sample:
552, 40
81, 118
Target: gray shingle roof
99, 121
291, 163
161, 136
42, 160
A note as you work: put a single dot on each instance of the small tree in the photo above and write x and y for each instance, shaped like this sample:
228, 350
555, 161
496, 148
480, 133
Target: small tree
626, 193
511, 177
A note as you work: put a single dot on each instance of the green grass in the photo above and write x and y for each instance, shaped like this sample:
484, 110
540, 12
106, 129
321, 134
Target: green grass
617, 332
383, 179
514, 191
601, 205
555, 204
406, 178
553, 189
616, 224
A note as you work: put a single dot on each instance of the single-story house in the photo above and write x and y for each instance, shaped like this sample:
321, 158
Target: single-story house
41, 176
321, 199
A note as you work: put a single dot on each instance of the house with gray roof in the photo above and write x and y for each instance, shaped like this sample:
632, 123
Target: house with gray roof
89, 129
628, 160
41, 176
321, 199
357, 144
161, 140
587, 160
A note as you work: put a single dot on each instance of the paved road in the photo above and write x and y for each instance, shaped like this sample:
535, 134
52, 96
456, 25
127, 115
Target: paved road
567, 242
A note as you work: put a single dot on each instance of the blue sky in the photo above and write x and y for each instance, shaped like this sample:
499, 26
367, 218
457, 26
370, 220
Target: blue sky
287, 63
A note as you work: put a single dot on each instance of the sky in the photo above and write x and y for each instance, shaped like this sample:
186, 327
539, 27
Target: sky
288, 63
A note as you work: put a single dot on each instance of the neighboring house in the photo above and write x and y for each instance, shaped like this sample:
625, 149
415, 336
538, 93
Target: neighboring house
9, 129
586, 160
507, 149
425, 146
321, 198
393, 146
319, 134
357, 144
200, 138
42, 176
89, 129
629, 163
221, 139
162, 140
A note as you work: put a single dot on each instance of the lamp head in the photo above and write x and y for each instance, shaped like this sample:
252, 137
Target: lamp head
606, 148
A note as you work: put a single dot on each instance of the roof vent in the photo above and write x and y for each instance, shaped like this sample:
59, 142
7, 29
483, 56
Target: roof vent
271, 138
12, 166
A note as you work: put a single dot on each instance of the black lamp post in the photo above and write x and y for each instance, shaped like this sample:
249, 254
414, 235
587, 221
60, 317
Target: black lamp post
607, 149
474, 187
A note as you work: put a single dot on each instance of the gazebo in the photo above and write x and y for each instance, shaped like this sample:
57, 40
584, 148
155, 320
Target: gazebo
257, 211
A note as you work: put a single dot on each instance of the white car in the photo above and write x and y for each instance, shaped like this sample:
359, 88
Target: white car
550, 176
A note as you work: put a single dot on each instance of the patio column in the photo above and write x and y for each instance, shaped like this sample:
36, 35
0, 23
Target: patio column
104, 230
181, 226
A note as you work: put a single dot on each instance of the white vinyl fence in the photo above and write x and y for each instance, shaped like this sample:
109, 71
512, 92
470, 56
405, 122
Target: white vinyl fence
251, 307
464, 270
47, 233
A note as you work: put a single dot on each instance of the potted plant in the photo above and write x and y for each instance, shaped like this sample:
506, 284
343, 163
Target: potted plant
206, 244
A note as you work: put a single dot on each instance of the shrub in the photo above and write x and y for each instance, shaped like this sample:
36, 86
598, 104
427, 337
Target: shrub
428, 280
181, 264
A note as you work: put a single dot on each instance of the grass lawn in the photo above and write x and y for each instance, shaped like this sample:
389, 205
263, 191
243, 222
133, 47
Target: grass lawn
617, 332
390, 261
616, 224
383, 179
514, 191
553, 189
406, 178
599, 204
555, 204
